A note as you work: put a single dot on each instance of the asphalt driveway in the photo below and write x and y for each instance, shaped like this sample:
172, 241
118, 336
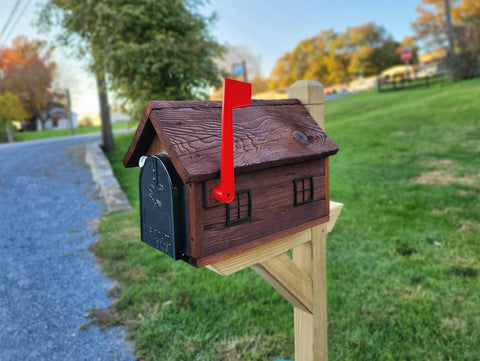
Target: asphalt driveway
48, 280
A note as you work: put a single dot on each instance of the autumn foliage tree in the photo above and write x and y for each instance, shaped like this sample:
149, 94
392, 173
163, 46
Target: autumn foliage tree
430, 25
331, 57
371, 49
28, 73
10, 109
431, 28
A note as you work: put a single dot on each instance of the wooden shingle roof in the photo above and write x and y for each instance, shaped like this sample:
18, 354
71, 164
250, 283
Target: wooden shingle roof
268, 133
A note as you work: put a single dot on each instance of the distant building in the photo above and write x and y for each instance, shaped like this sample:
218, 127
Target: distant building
119, 117
57, 118
432, 57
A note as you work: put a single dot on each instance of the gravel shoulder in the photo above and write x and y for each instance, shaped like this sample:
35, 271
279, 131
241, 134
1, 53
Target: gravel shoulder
49, 206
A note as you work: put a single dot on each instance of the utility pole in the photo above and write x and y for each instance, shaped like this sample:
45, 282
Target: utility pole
244, 66
70, 116
451, 46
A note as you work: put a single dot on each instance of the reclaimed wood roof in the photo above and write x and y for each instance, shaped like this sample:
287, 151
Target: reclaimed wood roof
268, 133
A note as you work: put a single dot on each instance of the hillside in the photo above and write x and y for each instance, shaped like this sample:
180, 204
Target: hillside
403, 279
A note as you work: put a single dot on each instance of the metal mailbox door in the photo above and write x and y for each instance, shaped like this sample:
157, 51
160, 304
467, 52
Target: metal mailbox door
161, 207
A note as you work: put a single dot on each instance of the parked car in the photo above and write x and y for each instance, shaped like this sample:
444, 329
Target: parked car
398, 73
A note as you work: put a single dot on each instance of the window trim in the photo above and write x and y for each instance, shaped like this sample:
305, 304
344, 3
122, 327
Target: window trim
303, 191
236, 209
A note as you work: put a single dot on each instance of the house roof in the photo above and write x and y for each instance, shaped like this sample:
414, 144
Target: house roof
268, 133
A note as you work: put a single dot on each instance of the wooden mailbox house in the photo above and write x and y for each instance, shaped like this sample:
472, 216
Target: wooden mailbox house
281, 177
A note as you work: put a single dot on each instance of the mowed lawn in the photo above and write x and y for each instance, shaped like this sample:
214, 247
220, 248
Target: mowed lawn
403, 259
54, 133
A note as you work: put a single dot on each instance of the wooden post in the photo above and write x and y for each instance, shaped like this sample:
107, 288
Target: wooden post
302, 281
310, 257
310, 93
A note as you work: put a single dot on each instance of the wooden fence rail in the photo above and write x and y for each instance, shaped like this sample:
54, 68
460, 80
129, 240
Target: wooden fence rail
403, 84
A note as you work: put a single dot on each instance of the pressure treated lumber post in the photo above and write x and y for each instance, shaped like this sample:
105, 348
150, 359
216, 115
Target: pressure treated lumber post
302, 280
310, 257
310, 93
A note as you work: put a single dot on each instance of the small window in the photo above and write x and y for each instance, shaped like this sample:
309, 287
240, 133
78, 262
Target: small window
241, 207
303, 190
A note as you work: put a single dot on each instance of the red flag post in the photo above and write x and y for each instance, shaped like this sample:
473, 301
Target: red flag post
236, 94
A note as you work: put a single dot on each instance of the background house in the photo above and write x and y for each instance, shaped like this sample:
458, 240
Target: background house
56, 118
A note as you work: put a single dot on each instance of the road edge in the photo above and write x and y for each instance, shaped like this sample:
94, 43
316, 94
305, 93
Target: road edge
107, 185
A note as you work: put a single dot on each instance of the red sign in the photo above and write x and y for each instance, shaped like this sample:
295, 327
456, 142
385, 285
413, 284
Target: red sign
406, 55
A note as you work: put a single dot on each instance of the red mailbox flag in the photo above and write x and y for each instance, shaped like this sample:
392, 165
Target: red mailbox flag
236, 94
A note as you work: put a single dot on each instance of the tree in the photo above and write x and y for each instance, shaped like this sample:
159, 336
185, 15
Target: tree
466, 32
430, 25
10, 109
334, 58
259, 84
144, 49
313, 58
281, 77
28, 73
372, 49
432, 29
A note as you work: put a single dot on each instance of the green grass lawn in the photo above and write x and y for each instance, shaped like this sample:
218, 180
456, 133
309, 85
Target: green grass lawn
403, 259
53, 133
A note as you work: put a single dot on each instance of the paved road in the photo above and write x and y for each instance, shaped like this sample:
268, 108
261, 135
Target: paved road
48, 279
337, 95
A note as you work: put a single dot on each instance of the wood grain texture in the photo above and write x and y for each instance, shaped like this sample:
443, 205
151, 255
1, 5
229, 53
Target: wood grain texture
155, 105
261, 253
194, 219
273, 210
327, 184
303, 321
156, 147
145, 131
335, 209
288, 280
274, 214
267, 134
319, 281
311, 330
308, 91
232, 253
274, 183
141, 141
317, 111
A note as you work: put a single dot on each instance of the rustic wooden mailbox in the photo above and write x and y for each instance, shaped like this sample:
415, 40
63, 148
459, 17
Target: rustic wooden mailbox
193, 209
281, 185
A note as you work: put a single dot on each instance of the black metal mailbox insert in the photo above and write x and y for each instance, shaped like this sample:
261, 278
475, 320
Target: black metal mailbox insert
162, 206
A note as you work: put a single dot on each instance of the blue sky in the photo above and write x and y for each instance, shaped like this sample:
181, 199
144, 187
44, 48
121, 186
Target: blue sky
268, 28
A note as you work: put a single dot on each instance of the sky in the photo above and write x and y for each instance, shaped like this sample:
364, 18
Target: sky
268, 28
